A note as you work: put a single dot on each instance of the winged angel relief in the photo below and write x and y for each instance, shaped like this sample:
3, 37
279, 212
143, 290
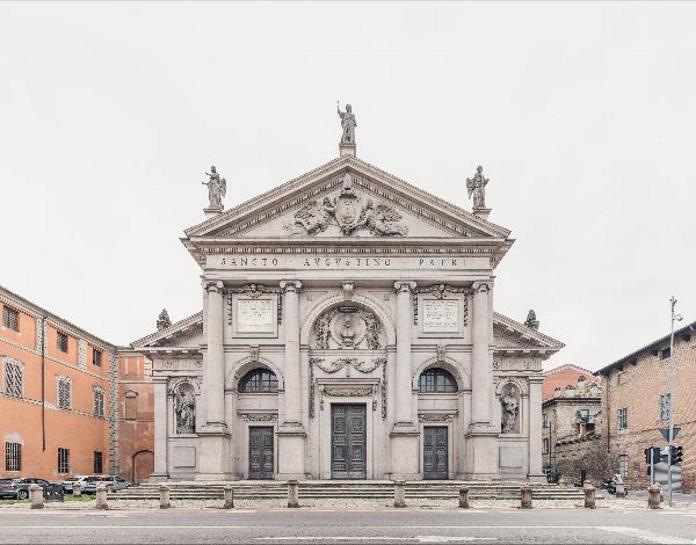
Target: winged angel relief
349, 213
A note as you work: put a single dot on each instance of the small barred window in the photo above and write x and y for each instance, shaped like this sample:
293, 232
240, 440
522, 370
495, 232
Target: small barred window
96, 357
99, 403
62, 341
64, 394
10, 318
13, 457
13, 379
63, 460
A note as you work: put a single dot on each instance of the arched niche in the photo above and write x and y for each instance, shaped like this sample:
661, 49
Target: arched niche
365, 305
509, 393
448, 364
243, 366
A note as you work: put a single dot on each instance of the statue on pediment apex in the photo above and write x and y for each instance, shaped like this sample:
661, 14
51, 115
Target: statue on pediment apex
476, 187
348, 124
217, 189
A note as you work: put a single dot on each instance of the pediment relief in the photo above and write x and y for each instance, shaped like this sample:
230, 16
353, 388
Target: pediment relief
346, 198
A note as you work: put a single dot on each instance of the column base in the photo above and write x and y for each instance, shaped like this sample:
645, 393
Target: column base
482, 443
405, 461
292, 442
536, 478
214, 457
214, 428
214, 477
157, 478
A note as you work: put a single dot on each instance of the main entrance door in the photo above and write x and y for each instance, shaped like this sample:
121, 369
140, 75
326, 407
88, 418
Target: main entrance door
260, 452
348, 441
435, 460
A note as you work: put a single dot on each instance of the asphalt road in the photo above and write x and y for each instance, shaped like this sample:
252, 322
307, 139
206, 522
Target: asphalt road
312, 526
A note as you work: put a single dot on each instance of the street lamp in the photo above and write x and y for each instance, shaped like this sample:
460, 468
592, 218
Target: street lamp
675, 318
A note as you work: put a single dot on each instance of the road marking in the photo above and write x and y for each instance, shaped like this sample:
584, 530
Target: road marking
351, 539
646, 535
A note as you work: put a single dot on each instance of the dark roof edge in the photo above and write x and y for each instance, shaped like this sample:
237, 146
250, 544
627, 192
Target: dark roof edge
608, 368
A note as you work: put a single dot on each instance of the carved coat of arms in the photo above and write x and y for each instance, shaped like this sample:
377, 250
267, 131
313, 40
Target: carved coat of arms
349, 212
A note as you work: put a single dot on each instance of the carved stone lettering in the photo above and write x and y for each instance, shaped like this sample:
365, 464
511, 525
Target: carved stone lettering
440, 316
255, 315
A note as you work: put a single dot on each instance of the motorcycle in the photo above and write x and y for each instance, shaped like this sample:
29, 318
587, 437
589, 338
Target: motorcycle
614, 486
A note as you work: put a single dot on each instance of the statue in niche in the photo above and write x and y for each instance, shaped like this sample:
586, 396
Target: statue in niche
348, 332
510, 405
476, 187
217, 189
347, 123
185, 409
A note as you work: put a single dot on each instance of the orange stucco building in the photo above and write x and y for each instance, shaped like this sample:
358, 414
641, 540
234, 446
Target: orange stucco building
62, 400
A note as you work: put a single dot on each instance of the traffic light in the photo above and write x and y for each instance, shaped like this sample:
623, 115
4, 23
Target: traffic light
652, 455
677, 454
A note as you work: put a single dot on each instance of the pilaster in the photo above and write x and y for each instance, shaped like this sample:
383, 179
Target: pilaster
535, 428
214, 375
160, 407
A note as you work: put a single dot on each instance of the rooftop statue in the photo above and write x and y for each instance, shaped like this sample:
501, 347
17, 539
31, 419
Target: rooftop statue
348, 123
217, 189
163, 320
531, 320
476, 186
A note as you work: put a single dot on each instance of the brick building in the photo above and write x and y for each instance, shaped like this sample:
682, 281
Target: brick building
636, 403
63, 397
570, 410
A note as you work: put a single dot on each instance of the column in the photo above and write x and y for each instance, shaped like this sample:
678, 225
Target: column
481, 368
291, 326
160, 391
482, 439
404, 436
214, 377
404, 319
535, 428
291, 435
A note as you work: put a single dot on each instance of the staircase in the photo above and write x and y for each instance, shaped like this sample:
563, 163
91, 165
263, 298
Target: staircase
424, 490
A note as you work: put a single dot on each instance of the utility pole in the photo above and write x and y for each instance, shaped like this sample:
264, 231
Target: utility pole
674, 317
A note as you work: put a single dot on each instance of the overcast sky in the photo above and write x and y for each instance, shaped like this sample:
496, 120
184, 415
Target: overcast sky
582, 115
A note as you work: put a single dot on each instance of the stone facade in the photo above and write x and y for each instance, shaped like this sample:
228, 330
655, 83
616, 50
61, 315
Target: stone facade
635, 384
571, 417
347, 331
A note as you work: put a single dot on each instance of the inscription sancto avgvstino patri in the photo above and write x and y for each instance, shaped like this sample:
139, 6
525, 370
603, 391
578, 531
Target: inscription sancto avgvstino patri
316, 262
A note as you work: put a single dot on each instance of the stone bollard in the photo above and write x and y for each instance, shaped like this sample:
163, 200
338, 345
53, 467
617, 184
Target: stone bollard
526, 497
654, 497
101, 497
293, 493
36, 496
164, 497
464, 498
399, 494
77, 489
229, 497
590, 501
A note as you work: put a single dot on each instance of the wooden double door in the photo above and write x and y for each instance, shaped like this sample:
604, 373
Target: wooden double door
261, 455
348, 441
435, 452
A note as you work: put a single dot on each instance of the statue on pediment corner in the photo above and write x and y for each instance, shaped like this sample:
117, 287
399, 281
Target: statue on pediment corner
531, 320
217, 189
163, 321
476, 187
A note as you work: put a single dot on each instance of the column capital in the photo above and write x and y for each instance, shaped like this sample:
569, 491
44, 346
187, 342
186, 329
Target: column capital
213, 286
483, 286
404, 287
290, 286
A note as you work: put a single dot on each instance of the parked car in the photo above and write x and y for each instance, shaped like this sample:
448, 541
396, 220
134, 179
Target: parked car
68, 483
112, 482
19, 488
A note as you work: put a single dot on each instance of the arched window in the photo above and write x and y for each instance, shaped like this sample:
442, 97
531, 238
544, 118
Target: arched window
259, 380
437, 380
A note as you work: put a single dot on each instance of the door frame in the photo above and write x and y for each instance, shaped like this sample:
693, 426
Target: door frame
450, 424
433, 425
275, 450
324, 414
240, 451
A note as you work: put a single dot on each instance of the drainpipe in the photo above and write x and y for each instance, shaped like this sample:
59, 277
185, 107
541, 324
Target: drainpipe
43, 383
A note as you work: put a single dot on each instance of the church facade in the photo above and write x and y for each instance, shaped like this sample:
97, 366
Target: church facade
348, 331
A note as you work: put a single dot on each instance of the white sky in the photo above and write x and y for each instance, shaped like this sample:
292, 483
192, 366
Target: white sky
583, 116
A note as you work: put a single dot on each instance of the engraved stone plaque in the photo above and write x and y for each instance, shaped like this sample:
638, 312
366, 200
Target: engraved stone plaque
256, 315
440, 316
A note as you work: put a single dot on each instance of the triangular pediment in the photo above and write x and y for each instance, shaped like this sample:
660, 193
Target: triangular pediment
319, 205
186, 334
515, 337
